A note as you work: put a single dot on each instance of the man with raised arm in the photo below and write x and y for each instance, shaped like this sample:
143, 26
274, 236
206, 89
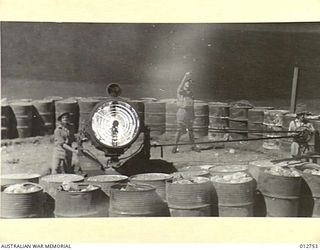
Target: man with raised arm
185, 113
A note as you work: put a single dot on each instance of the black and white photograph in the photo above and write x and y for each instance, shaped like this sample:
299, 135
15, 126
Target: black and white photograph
160, 119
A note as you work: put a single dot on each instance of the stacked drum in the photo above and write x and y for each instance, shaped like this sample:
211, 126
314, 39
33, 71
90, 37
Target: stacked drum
6, 121
255, 122
201, 119
273, 121
154, 117
238, 122
218, 120
43, 117
23, 116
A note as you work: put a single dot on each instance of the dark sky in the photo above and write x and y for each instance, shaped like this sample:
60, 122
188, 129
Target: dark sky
244, 61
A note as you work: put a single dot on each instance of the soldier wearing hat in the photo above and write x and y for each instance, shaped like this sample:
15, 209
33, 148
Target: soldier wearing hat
300, 124
185, 113
63, 139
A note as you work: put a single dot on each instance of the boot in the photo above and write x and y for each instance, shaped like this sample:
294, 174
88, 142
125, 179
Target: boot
194, 147
175, 149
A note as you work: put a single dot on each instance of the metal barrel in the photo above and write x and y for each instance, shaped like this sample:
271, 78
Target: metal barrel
23, 112
255, 122
141, 200
138, 105
154, 117
238, 122
54, 99
88, 203
191, 199
218, 119
310, 191
70, 106
50, 185
228, 169
6, 121
240, 113
201, 119
219, 109
21, 205
235, 199
281, 194
273, 121
239, 129
86, 105
157, 180
256, 114
171, 117
7, 179
43, 117
256, 167
106, 181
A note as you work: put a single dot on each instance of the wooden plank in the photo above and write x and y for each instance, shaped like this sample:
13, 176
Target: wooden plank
294, 91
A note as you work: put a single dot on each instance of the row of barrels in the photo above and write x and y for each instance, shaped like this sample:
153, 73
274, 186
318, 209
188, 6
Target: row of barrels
219, 121
21, 119
158, 194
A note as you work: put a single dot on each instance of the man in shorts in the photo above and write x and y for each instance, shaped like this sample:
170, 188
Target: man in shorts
185, 113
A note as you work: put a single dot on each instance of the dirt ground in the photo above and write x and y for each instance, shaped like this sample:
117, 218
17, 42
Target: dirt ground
33, 155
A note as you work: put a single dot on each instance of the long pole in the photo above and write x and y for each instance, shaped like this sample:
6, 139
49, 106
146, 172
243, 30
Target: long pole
294, 91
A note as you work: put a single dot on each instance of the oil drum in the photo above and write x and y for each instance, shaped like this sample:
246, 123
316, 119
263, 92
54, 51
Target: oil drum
190, 199
50, 185
201, 119
154, 117
135, 200
6, 121
23, 116
235, 199
218, 120
83, 203
21, 203
43, 117
281, 194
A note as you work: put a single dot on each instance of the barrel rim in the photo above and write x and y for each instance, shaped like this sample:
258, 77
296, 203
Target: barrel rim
31, 183
116, 188
123, 177
232, 183
189, 207
80, 192
170, 182
264, 172
232, 171
164, 177
45, 178
14, 176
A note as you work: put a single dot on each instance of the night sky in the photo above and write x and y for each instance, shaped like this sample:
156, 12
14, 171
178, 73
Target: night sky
227, 61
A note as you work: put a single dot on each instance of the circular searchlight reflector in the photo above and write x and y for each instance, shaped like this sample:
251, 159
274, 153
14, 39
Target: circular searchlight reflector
115, 124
